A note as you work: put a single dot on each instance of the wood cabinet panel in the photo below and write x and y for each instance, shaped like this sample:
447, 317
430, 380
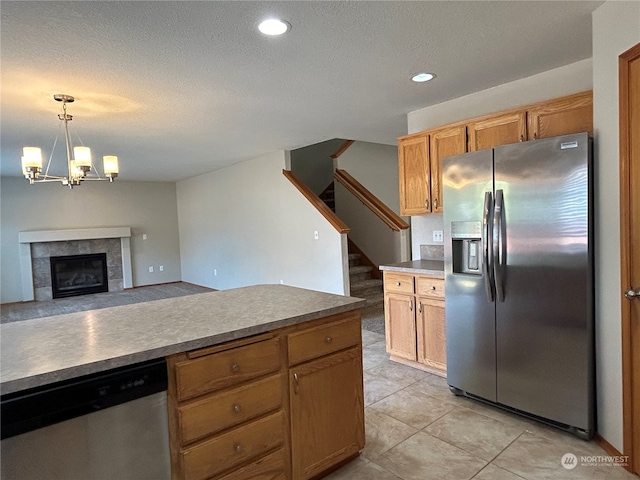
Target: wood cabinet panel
414, 174
430, 287
398, 282
431, 331
229, 408
572, 114
497, 130
443, 143
400, 325
325, 339
271, 467
327, 412
227, 368
223, 452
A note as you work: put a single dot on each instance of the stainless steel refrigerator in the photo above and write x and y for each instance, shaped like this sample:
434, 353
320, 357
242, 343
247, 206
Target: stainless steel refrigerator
519, 279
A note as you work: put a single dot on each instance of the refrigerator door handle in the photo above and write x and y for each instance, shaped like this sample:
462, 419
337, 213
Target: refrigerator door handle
487, 252
499, 251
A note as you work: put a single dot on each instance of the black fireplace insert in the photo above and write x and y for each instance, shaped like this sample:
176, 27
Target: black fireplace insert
73, 275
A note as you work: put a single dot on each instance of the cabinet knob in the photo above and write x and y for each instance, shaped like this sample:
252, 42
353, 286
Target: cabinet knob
426, 204
238, 448
435, 203
433, 287
397, 284
328, 340
522, 138
235, 368
237, 408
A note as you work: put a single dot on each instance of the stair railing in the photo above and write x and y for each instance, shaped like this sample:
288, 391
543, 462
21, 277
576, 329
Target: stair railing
317, 202
373, 203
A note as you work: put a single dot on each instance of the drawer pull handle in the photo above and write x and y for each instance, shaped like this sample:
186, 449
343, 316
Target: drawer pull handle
235, 368
295, 383
411, 305
328, 340
237, 408
397, 284
238, 448
433, 288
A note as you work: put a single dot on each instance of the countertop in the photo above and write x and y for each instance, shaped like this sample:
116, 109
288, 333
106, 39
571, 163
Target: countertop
434, 268
46, 350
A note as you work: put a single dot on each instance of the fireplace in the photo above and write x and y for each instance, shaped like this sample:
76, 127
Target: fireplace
73, 275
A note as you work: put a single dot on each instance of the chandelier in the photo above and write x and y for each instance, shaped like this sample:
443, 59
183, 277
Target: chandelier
79, 164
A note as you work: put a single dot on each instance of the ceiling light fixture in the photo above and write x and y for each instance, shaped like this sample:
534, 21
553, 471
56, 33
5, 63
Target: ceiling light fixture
423, 77
274, 26
79, 165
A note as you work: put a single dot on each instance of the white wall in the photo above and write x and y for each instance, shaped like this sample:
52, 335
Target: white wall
146, 207
573, 78
616, 28
375, 166
251, 225
380, 244
313, 164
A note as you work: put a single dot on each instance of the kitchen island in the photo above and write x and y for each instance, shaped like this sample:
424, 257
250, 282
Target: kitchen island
251, 371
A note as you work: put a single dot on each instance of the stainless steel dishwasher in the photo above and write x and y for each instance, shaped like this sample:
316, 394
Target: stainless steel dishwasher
110, 425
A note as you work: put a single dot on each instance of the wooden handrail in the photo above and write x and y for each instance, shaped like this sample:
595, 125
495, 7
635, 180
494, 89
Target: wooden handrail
343, 147
322, 207
373, 203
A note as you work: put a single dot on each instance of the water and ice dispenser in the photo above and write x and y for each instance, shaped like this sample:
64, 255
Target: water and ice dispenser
466, 247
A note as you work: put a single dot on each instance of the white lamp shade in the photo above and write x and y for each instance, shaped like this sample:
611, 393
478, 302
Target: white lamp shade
32, 157
82, 156
110, 163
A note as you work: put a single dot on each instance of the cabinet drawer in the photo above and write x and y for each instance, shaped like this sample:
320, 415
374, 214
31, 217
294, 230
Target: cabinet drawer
430, 287
398, 282
226, 368
225, 451
271, 467
324, 339
226, 409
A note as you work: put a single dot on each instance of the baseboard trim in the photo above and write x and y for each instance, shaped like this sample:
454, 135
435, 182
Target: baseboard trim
611, 450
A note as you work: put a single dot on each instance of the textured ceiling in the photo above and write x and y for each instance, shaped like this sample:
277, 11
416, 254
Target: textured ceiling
181, 88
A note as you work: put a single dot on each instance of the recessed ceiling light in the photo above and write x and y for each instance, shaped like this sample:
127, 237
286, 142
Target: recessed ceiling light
274, 26
423, 77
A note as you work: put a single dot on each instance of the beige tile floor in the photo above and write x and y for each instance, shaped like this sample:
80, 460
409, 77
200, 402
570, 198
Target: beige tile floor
416, 429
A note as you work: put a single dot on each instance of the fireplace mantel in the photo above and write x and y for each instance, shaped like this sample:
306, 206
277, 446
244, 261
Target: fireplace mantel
43, 236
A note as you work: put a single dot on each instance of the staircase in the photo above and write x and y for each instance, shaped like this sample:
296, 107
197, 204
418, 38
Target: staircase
328, 197
364, 286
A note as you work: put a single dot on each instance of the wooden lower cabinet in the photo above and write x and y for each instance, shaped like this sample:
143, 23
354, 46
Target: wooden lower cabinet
431, 333
414, 321
327, 406
287, 404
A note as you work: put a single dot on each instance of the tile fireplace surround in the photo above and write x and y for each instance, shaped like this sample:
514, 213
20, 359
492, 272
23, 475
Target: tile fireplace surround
37, 246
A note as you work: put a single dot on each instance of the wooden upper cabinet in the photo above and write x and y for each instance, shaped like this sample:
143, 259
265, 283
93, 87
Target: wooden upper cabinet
444, 143
497, 130
413, 170
572, 114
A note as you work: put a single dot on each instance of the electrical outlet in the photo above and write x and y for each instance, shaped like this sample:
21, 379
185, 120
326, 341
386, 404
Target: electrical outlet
162, 268
150, 269
144, 236
438, 236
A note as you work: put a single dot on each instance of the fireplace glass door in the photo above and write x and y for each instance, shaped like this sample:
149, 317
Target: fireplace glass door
73, 275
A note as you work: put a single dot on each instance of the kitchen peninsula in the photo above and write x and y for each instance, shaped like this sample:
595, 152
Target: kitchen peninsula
248, 370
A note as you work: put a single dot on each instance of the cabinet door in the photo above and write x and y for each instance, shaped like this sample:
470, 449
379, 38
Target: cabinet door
432, 341
572, 114
327, 412
497, 130
413, 170
400, 325
445, 142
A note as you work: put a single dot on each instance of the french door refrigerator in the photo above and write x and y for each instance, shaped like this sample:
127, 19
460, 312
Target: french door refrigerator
519, 279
